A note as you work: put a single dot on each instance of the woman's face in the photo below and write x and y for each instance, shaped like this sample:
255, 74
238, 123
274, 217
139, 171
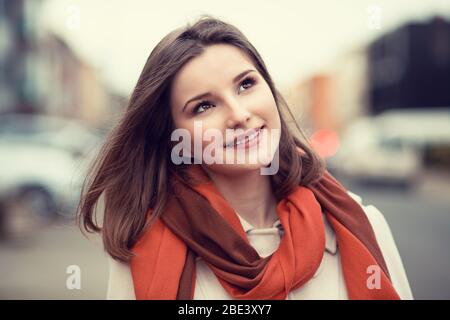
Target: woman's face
237, 104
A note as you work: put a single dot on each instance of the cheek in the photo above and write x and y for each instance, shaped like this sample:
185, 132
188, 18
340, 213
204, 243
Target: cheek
197, 131
267, 108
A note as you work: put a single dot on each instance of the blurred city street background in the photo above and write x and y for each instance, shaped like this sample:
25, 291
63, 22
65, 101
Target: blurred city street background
368, 81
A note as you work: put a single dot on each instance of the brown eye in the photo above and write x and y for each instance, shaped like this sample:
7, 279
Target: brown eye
247, 82
202, 107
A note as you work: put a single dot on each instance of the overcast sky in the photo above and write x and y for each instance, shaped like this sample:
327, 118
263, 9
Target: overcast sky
295, 37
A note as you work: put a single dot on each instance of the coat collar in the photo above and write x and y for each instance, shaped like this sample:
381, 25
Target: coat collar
330, 236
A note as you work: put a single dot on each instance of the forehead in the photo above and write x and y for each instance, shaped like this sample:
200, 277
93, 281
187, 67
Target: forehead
214, 68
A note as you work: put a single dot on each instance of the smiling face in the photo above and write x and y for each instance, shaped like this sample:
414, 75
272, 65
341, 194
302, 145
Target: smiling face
222, 90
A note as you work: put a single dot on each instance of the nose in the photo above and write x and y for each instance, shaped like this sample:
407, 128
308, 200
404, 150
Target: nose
237, 113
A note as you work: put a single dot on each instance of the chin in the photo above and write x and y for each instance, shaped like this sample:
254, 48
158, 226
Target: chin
251, 164
233, 169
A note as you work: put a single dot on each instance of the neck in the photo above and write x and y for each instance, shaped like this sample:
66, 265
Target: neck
250, 194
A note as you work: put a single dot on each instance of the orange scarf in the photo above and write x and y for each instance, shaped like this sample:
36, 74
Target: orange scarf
198, 221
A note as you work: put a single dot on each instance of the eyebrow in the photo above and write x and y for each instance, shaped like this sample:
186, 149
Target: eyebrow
206, 94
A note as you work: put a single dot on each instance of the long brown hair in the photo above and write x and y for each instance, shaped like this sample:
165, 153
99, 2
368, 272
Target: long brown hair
132, 169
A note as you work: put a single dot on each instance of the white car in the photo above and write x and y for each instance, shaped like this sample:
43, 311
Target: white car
366, 155
42, 168
416, 128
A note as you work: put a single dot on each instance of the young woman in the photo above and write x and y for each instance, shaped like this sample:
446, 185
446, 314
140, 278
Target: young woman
280, 227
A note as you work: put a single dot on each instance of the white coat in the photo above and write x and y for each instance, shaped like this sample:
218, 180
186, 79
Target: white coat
328, 282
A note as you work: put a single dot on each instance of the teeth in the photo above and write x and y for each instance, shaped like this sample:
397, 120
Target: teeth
245, 139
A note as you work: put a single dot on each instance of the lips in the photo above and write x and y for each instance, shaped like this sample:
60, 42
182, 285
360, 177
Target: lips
244, 137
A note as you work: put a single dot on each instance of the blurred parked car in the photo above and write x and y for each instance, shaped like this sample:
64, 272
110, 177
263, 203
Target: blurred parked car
426, 130
366, 155
42, 166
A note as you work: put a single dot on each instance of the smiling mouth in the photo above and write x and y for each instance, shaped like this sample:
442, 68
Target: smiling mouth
244, 139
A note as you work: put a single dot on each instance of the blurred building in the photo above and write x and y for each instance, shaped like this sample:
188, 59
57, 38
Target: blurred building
70, 87
410, 67
40, 73
19, 34
326, 102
